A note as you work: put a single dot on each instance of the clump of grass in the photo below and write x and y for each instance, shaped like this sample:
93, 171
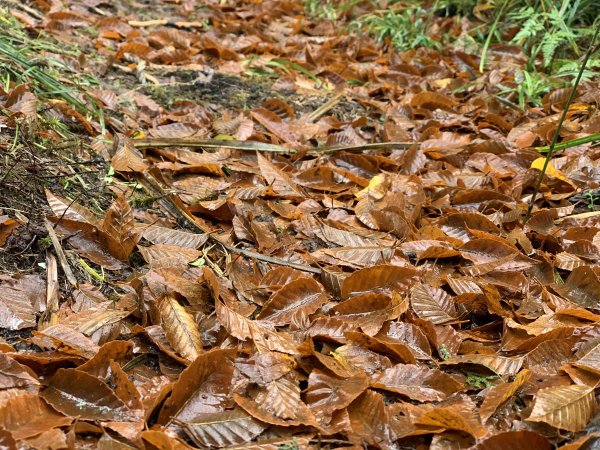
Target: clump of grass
404, 28
26, 59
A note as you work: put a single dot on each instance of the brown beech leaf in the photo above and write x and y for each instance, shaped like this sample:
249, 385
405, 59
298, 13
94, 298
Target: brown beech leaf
501, 393
327, 393
278, 277
126, 157
370, 421
62, 207
20, 301
280, 181
582, 287
418, 383
371, 311
175, 253
66, 339
433, 100
501, 365
452, 418
515, 440
203, 387
294, 301
88, 241
79, 394
566, 407
162, 441
27, 415
223, 429
382, 277
161, 235
433, 304
119, 224
7, 226
100, 323
588, 353
14, 374
180, 327
459, 224
242, 328
278, 403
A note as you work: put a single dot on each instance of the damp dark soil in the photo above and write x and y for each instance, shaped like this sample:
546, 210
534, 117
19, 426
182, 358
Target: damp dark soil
28, 166
230, 93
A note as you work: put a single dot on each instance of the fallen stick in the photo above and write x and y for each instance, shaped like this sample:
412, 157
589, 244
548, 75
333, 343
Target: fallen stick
62, 258
174, 205
259, 146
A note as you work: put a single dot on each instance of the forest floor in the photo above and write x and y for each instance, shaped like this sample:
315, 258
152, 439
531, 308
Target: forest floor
246, 225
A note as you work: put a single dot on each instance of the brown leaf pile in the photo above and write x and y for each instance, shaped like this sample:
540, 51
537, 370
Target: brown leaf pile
382, 298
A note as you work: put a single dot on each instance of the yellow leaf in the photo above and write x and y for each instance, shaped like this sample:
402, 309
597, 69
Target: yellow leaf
550, 170
137, 134
377, 186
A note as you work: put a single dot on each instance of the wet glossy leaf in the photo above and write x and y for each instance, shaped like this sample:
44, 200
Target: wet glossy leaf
418, 383
203, 387
383, 277
79, 394
566, 407
326, 394
294, 301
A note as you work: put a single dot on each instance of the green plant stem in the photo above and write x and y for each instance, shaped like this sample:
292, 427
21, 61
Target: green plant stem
488, 40
560, 122
572, 143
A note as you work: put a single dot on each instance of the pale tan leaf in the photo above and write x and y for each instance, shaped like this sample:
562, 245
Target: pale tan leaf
433, 304
566, 407
127, 158
161, 235
231, 427
180, 327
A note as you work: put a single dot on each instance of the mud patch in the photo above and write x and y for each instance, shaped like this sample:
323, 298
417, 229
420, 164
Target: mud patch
223, 93
26, 170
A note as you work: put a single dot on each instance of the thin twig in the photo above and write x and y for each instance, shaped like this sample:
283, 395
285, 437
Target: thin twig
62, 258
174, 205
259, 146
563, 116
